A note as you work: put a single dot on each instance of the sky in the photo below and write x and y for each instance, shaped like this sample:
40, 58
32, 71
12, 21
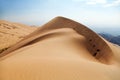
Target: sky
92, 13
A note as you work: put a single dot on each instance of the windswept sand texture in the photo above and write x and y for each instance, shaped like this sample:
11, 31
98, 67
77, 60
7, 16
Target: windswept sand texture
62, 49
11, 33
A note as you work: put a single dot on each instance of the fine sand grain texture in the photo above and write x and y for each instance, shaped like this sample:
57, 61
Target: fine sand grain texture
62, 49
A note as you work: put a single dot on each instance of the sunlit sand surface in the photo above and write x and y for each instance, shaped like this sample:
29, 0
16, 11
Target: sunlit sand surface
51, 53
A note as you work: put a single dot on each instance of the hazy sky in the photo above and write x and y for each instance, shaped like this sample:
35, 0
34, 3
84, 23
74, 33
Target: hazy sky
95, 13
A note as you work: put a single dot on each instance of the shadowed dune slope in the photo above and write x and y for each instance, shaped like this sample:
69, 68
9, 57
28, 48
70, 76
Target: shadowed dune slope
62, 49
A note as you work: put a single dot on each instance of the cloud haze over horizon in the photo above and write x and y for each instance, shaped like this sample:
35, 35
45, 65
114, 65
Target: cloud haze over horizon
93, 13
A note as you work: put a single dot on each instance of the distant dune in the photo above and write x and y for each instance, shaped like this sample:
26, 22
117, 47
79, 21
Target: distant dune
11, 33
62, 49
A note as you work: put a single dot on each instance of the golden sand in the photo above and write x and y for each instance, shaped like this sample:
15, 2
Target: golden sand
60, 54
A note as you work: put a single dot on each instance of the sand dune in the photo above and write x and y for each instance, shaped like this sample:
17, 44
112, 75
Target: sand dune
11, 33
62, 49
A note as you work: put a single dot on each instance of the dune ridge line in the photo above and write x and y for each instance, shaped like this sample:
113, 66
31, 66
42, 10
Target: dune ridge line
96, 45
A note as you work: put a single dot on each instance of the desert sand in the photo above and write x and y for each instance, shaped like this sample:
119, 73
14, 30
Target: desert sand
11, 33
62, 49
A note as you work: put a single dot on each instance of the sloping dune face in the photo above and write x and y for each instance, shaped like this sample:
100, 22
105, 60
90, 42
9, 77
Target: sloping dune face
62, 49
11, 33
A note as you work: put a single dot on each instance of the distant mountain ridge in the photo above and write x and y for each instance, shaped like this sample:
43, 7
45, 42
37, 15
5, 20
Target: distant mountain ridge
111, 38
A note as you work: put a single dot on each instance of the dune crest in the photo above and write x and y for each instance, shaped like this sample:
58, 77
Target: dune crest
96, 45
62, 49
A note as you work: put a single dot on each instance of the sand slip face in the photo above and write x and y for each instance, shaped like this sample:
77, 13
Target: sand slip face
59, 54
